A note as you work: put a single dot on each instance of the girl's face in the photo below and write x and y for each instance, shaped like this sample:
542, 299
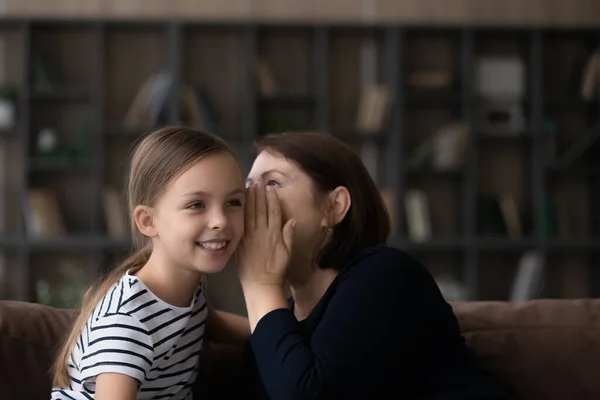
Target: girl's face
199, 218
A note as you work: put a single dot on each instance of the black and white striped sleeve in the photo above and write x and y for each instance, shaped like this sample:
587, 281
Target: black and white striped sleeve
116, 343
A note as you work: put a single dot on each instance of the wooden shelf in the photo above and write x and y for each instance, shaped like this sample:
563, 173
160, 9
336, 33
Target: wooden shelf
101, 64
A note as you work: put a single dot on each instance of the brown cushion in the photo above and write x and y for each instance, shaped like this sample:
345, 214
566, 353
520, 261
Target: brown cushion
30, 335
28, 341
546, 349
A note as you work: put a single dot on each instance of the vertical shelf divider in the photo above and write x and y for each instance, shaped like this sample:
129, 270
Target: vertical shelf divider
249, 46
321, 77
394, 161
97, 178
594, 198
174, 67
470, 182
23, 290
537, 155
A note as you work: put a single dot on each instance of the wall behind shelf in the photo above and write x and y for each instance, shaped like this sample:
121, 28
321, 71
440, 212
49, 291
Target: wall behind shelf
548, 12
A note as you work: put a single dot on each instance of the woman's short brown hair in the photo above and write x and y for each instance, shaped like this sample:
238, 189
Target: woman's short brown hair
330, 163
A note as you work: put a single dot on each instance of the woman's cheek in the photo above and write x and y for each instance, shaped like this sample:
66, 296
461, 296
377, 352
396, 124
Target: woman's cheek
286, 207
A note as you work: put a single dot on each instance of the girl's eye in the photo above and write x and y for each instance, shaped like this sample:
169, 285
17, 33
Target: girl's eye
272, 182
234, 203
196, 205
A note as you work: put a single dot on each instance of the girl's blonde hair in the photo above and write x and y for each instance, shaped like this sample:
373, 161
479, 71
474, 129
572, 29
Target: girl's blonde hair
158, 158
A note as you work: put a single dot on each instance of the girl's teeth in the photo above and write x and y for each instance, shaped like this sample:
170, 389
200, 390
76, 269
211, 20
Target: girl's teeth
213, 245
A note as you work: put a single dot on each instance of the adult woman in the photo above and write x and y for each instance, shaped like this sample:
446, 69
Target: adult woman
365, 320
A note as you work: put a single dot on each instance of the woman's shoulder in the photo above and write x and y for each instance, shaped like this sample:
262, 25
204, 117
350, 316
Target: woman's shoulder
383, 258
384, 263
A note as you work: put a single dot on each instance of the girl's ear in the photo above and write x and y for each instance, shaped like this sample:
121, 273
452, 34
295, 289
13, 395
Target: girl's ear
144, 220
340, 202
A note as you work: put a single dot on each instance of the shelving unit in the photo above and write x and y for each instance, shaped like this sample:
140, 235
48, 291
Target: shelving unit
103, 63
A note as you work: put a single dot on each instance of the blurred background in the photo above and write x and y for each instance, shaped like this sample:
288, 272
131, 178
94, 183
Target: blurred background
478, 119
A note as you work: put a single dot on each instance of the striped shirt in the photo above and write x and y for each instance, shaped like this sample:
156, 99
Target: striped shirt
133, 332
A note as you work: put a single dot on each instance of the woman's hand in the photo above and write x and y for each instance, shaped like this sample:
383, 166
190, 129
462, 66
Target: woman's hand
265, 249
263, 254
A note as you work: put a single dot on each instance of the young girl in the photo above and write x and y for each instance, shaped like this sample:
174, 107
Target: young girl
140, 330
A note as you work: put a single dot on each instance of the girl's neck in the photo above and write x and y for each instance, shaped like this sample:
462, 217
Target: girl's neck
174, 286
307, 294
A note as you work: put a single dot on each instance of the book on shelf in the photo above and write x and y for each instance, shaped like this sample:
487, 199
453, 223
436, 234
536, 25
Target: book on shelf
389, 201
529, 277
43, 215
417, 215
267, 84
511, 215
430, 79
590, 79
373, 109
449, 147
115, 217
577, 148
150, 105
443, 150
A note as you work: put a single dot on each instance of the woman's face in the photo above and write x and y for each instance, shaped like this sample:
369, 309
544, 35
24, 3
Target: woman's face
299, 200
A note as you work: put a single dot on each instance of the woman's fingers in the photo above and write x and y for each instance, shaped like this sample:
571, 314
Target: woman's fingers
250, 212
274, 209
261, 207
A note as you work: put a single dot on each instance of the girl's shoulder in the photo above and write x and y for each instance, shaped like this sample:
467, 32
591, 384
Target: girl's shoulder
126, 296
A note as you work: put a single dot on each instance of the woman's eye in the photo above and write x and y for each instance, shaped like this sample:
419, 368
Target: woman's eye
272, 182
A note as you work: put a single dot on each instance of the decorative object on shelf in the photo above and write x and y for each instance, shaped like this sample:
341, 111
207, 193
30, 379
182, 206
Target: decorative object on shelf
48, 150
500, 86
47, 141
8, 113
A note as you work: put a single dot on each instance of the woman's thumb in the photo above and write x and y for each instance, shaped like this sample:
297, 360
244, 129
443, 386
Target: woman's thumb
288, 233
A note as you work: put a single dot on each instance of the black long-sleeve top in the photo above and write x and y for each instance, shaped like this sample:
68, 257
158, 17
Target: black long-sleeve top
382, 330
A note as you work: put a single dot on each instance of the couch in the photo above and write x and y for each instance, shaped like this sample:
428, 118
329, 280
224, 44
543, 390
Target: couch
546, 349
